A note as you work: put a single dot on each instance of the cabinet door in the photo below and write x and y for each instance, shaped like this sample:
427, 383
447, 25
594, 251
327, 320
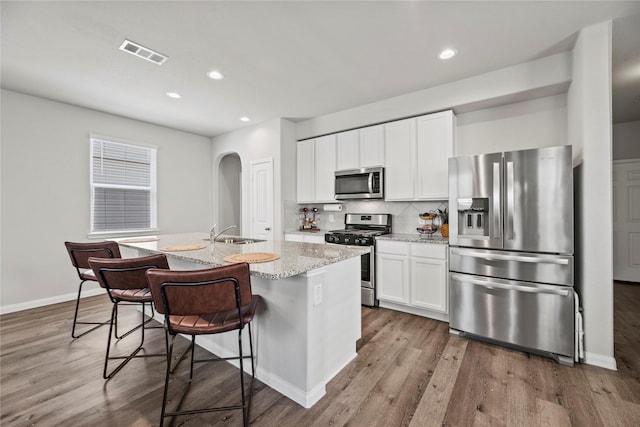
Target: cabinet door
399, 142
429, 284
347, 150
392, 273
325, 167
305, 190
372, 146
434, 147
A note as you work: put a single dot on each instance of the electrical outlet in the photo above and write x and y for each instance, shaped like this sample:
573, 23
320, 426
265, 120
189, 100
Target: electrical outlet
317, 294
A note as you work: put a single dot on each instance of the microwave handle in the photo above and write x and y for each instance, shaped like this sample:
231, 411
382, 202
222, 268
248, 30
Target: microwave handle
370, 183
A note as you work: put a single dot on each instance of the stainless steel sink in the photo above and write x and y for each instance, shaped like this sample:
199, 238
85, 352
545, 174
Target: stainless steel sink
237, 240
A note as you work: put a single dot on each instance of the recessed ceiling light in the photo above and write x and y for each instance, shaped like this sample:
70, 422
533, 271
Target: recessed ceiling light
174, 95
447, 54
245, 119
215, 75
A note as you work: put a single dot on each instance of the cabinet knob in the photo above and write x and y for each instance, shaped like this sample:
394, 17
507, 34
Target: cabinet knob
267, 229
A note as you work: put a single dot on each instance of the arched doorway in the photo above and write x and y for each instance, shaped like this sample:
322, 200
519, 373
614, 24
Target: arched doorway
229, 193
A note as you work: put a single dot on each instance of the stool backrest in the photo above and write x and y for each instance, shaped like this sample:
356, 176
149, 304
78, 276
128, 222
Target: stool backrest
126, 273
81, 252
201, 292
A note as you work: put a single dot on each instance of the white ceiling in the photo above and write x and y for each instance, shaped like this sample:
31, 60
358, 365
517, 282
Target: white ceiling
290, 59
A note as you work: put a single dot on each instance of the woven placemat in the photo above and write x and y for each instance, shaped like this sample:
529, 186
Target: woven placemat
178, 248
252, 257
140, 240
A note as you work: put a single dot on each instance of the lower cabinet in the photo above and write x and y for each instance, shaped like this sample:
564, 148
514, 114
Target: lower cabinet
307, 238
413, 277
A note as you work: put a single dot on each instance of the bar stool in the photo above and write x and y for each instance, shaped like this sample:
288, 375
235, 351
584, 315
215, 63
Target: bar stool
79, 254
126, 283
203, 302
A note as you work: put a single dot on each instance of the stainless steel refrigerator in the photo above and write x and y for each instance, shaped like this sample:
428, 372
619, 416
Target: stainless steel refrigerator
511, 269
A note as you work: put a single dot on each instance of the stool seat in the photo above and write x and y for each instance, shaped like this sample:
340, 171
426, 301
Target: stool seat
214, 323
132, 295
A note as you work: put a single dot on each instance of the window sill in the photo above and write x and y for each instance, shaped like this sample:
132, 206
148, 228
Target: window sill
123, 233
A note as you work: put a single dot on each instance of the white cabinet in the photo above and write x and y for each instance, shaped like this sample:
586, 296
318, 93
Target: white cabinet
305, 164
372, 146
434, 143
307, 238
413, 277
429, 274
316, 165
360, 148
325, 168
348, 150
400, 143
392, 271
417, 152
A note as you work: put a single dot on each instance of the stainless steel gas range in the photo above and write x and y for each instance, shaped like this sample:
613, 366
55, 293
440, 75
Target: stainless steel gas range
361, 230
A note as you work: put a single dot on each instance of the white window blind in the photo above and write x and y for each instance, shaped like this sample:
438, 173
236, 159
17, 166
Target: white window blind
122, 187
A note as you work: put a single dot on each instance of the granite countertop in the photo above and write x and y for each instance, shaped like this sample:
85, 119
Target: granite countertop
295, 257
416, 238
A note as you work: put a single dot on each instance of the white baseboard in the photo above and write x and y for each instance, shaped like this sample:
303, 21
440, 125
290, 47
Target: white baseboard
11, 308
595, 359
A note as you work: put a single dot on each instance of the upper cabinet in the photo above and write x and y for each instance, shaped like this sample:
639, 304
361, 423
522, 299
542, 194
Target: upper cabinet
316, 164
360, 148
416, 157
415, 153
305, 167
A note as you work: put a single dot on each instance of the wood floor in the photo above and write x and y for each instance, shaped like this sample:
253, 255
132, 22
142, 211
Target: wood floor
409, 372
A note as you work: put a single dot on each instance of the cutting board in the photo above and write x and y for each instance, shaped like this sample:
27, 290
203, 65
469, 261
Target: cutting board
252, 257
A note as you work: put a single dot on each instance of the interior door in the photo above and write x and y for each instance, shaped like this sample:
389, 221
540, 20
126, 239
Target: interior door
538, 200
626, 220
262, 199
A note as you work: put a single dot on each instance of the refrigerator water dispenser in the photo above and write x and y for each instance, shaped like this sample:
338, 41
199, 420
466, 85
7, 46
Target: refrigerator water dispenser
473, 216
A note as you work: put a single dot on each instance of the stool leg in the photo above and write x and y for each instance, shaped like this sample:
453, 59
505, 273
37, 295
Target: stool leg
166, 378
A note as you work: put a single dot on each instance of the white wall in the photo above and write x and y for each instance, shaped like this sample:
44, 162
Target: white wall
535, 79
589, 131
45, 190
258, 142
626, 141
536, 123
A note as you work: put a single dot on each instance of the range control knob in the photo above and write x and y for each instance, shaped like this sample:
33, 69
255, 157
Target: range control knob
332, 239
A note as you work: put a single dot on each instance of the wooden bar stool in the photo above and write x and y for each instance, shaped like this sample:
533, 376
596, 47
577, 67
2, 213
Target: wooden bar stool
79, 254
205, 302
126, 283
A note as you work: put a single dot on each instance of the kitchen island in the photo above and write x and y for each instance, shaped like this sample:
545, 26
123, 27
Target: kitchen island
308, 322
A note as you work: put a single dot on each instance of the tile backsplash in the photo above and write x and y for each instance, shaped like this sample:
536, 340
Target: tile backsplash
404, 214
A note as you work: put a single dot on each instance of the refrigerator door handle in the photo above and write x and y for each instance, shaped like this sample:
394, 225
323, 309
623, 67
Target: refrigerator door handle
509, 287
510, 197
496, 202
519, 258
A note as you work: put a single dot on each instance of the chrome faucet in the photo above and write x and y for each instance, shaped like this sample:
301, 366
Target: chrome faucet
218, 235
211, 232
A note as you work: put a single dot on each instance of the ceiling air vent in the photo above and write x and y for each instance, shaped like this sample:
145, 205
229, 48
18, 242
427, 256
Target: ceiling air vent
143, 52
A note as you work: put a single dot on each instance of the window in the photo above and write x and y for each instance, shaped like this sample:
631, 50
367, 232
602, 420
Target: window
123, 187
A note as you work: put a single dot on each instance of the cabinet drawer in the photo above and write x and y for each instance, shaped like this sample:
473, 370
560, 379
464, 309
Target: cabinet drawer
429, 250
395, 248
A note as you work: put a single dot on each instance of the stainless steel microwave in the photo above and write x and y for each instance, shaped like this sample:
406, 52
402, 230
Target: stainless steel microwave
364, 183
